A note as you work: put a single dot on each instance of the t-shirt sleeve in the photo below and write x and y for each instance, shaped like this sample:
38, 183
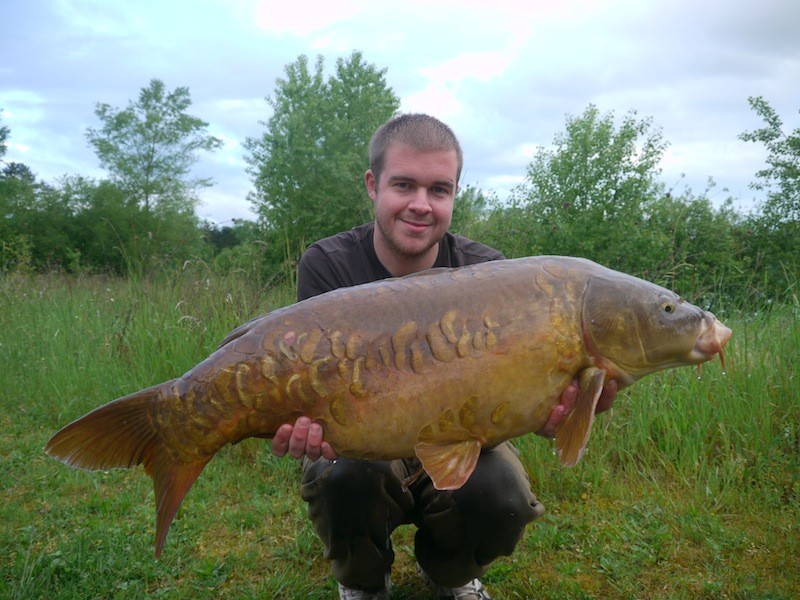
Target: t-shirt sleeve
315, 274
465, 251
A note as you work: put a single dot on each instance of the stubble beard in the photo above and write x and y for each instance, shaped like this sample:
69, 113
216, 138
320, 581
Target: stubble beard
399, 249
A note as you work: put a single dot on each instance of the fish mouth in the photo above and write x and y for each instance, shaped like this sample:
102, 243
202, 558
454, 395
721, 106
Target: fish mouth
711, 341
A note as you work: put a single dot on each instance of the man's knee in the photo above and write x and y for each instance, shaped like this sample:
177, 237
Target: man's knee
500, 489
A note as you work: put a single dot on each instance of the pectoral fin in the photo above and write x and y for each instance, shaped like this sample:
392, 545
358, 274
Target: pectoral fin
449, 464
573, 433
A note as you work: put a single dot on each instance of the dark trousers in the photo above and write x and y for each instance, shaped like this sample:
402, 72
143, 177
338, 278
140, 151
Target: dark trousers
355, 505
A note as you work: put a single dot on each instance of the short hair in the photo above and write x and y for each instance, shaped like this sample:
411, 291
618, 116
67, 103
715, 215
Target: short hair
420, 131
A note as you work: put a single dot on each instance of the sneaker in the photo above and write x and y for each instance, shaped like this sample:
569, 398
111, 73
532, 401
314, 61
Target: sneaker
346, 593
472, 590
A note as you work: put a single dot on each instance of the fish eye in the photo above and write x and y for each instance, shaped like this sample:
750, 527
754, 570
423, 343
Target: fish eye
668, 307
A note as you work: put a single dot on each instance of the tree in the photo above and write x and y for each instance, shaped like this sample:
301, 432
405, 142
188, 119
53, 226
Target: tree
18, 189
596, 193
4, 133
112, 233
308, 166
588, 195
781, 178
150, 147
469, 208
772, 243
692, 245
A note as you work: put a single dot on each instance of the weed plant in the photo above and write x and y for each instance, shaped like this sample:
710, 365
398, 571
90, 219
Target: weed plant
689, 489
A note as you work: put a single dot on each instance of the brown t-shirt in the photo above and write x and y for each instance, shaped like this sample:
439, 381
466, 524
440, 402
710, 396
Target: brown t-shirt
349, 258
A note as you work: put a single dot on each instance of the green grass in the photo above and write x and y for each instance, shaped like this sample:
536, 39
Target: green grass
690, 489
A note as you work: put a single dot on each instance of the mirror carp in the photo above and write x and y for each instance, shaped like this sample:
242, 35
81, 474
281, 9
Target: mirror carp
437, 365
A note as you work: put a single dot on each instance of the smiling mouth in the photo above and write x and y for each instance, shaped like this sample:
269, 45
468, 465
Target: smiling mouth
416, 226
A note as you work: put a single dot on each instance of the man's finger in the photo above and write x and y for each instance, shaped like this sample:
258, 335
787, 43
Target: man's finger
297, 443
280, 441
314, 441
607, 397
328, 452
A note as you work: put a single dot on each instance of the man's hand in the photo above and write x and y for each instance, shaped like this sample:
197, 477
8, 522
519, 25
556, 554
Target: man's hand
304, 438
567, 403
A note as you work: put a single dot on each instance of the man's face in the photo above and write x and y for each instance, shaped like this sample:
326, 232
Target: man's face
413, 201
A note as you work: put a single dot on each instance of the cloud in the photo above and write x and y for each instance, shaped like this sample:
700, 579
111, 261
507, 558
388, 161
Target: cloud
435, 100
302, 20
481, 66
21, 107
503, 74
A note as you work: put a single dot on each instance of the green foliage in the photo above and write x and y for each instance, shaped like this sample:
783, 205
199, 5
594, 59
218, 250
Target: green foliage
17, 188
142, 219
584, 196
5, 132
596, 193
115, 232
80, 224
241, 249
781, 177
150, 147
692, 247
308, 166
469, 208
773, 240
36, 216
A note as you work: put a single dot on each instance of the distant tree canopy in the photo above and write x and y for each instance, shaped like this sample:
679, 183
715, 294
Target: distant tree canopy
307, 167
596, 177
4, 133
595, 192
17, 185
781, 178
149, 148
143, 213
775, 231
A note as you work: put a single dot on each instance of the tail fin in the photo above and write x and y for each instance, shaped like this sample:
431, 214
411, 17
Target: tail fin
122, 434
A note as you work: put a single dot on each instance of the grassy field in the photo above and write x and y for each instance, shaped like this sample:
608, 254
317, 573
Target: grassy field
690, 489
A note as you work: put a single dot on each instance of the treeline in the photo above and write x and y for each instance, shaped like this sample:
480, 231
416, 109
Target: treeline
596, 192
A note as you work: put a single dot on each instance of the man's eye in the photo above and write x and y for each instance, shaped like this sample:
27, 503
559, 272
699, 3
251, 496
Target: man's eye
439, 191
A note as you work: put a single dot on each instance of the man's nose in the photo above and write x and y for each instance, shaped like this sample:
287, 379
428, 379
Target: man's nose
419, 202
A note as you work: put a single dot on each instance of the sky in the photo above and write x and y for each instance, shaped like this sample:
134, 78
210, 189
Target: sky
504, 74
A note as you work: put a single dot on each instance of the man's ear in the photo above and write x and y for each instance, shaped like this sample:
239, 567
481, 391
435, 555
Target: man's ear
371, 183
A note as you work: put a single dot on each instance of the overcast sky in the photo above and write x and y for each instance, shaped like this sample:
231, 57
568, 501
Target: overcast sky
504, 74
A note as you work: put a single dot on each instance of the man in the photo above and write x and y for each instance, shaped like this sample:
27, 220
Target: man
415, 164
